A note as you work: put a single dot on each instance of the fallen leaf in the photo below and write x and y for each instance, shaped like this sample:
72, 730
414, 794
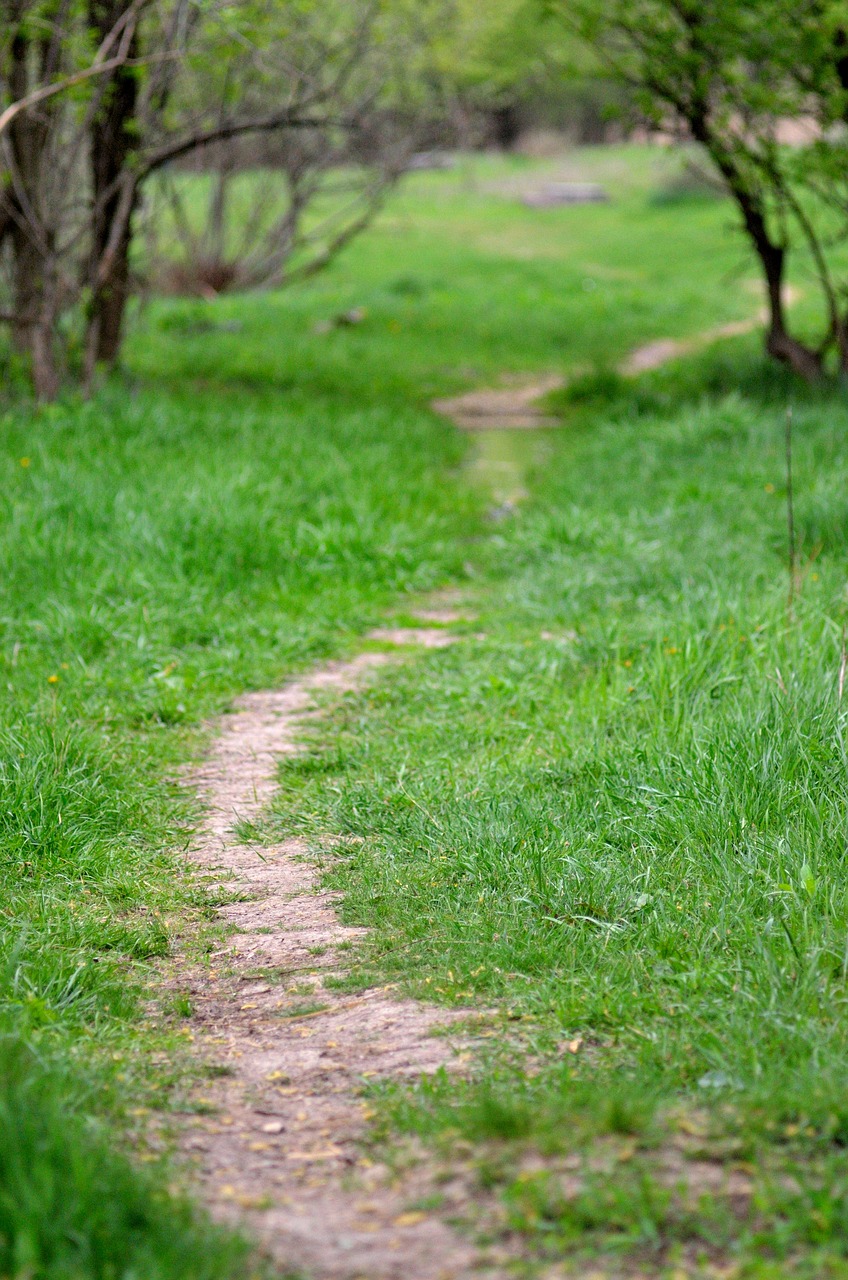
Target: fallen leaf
692, 1127
409, 1219
328, 1153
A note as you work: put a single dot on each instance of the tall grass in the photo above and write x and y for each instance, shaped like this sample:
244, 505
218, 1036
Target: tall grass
622, 814
70, 1206
248, 497
160, 552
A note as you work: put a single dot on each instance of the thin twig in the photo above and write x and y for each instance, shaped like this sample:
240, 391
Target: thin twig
122, 31
790, 510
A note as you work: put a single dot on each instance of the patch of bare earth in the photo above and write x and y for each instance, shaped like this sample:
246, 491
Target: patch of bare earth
276, 1143
515, 406
512, 407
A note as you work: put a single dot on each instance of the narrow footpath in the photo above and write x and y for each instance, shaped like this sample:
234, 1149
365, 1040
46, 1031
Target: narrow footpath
277, 1143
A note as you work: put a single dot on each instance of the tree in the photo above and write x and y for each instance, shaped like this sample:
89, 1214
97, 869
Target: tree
510, 61
732, 72
100, 96
37, 69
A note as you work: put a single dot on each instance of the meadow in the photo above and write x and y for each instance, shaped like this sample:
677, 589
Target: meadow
615, 810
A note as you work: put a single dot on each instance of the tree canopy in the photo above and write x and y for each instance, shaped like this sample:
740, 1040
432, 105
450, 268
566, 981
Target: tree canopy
733, 73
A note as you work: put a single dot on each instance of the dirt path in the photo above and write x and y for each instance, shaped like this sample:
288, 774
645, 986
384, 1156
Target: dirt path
655, 354
278, 1145
505, 408
515, 406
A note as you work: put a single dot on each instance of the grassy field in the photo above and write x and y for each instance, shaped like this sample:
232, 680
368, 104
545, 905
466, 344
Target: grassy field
621, 813
620, 816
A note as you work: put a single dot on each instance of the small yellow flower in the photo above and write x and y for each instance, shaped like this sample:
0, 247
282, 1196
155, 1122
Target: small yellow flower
769, 488
52, 679
24, 462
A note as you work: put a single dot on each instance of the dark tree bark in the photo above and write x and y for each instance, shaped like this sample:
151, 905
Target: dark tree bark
34, 302
506, 125
780, 344
113, 142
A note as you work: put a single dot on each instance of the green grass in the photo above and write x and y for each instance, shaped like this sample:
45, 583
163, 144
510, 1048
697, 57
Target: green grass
161, 552
622, 817
71, 1207
249, 497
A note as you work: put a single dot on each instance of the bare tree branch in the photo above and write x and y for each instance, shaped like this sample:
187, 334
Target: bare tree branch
101, 66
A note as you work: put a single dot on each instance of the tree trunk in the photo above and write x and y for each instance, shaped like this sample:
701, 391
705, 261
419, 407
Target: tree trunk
28, 286
46, 380
109, 303
113, 142
780, 344
9, 212
22, 217
35, 310
217, 249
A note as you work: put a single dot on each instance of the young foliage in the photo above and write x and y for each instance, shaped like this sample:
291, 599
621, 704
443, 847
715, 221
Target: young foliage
762, 87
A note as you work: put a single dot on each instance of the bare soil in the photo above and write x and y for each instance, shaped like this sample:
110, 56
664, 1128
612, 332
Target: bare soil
277, 1141
515, 406
655, 354
506, 408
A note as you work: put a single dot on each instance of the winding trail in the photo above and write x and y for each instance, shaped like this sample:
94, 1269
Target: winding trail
515, 405
277, 1142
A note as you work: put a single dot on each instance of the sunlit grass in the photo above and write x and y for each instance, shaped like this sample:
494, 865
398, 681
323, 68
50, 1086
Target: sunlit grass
255, 490
621, 815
